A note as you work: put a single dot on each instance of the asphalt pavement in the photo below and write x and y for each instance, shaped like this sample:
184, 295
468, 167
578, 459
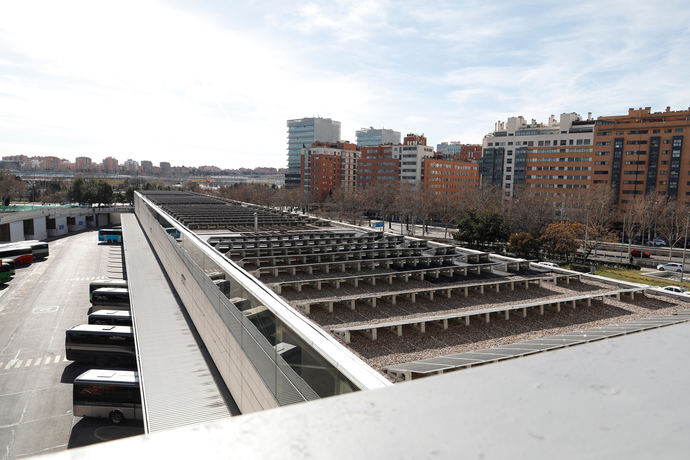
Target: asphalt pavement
36, 307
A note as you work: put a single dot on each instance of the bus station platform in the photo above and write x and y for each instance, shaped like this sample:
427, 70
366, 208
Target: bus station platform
179, 383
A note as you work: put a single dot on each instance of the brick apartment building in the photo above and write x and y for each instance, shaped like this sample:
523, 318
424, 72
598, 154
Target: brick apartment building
327, 167
643, 152
377, 168
450, 177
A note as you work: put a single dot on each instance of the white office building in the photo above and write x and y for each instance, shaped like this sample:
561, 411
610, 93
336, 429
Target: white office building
411, 154
302, 133
367, 137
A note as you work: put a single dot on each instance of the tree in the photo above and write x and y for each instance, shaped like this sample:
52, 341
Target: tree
11, 186
481, 228
671, 224
561, 238
524, 244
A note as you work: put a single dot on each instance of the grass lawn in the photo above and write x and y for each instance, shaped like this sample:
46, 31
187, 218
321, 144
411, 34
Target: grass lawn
637, 277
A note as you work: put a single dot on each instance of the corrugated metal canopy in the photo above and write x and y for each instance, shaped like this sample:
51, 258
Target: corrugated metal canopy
177, 382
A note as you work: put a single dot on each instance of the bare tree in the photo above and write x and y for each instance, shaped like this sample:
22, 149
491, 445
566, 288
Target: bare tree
671, 224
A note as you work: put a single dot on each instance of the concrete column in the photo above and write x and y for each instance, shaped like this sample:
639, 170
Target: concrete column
40, 230
17, 231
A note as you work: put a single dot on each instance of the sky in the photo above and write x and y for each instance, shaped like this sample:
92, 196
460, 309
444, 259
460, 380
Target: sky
214, 82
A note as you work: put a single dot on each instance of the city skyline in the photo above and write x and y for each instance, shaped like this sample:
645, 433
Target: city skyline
220, 92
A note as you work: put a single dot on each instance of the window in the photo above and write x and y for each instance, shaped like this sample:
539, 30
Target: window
579, 142
563, 142
679, 130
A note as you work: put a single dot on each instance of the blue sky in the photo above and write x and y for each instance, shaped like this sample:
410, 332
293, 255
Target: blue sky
211, 82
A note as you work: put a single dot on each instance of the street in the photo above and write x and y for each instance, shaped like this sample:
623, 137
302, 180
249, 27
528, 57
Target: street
36, 307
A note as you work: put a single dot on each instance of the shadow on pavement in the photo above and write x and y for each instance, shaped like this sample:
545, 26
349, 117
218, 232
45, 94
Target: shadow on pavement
89, 431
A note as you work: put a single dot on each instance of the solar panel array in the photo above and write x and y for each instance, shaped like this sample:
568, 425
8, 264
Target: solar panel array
202, 212
424, 367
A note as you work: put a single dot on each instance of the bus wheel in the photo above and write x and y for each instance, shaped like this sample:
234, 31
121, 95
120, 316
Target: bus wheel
116, 417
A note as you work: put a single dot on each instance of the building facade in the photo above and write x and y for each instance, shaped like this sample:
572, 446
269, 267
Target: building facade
512, 155
450, 177
643, 152
82, 163
378, 168
146, 167
110, 165
459, 151
325, 168
370, 137
411, 154
302, 133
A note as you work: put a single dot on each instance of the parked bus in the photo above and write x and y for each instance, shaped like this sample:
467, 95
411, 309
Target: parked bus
5, 273
111, 394
98, 343
110, 235
39, 249
110, 296
93, 285
11, 264
111, 317
20, 254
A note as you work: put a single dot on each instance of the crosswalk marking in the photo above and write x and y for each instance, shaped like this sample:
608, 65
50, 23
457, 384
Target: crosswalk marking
19, 364
38, 362
57, 358
28, 363
8, 365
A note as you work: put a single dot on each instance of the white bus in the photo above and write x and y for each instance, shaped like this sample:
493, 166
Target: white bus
108, 394
112, 297
97, 343
111, 317
93, 285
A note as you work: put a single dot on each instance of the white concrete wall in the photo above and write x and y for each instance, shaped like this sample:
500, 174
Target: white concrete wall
101, 220
79, 224
17, 231
246, 386
40, 230
61, 226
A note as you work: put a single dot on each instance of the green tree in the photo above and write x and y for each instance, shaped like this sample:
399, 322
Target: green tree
481, 228
524, 244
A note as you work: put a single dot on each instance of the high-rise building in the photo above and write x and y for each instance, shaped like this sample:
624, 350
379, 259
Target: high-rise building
554, 156
165, 168
131, 166
642, 153
146, 167
377, 168
110, 165
50, 163
82, 163
411, 154
326, 168
302, 133
369, 137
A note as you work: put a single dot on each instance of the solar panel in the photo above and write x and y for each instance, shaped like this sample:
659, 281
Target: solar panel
455, 362
530, 346
419, 367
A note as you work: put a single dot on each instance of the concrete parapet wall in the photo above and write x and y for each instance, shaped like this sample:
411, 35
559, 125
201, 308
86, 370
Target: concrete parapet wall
246, 386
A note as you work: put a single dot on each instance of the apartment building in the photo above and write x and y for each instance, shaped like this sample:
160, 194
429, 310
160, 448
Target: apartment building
302, 133
444, 176
370, 137
553, 159
82, 163
110, 165
326, 167
411, 154
459, 151
643, 152
147, 167
377, 168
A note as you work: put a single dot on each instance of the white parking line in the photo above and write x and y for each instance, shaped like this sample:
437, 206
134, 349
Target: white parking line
57, 359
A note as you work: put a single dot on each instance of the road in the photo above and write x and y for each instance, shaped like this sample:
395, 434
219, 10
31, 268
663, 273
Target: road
36, 307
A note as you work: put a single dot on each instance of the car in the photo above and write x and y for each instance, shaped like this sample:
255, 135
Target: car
640, 253
657, 242
671, 266
550, 264
676, 289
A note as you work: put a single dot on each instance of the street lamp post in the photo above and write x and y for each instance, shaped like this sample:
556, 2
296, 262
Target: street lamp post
685, 245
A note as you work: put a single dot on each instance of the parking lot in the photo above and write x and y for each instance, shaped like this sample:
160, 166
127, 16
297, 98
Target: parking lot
36, 307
